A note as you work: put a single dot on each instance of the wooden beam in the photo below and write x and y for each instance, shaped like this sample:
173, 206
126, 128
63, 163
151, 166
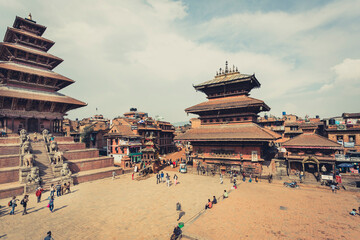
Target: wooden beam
64, 107
41, 106
28, 105
13, 103
52, 107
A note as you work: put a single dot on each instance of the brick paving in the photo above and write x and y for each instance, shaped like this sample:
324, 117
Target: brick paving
112, 209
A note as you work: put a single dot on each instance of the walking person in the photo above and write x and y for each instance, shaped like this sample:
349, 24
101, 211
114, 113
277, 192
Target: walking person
24, 203
52, 190
162, 176
250, 179
13, 205
175, 179
48, 236
157, 178
244, 178
51, 203
68, 188
167, 179
58, 189
38, 193
221, 178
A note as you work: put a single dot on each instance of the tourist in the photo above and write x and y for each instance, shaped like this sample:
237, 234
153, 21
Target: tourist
270, 178
52, 190
13, 205
256, 179
58, 189
234, 186
113, 175
244, 178
132, 176
225, 195
48, 236
68, 188
198, 169
162, 176
167, 179
353, 212
250, 179
24, 202
175, 179
63, 189
214, 201
157, 178
208, 205
177, 232
38, 194
51, 203
221, 178
333, 187
301, 175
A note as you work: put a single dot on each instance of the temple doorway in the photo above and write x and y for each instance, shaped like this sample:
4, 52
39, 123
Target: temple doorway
33, 125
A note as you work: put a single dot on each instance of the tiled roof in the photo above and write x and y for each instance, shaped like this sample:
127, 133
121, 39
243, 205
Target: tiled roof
18, 19
351, 115
30, 50
32, 70
228, 78
121, 130
29, 34
22, 93
227, 103
229, 132
311, 140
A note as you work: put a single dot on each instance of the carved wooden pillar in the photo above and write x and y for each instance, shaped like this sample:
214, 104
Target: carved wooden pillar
12, 125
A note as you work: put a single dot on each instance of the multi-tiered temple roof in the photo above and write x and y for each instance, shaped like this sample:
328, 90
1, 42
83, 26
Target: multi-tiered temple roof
28, 86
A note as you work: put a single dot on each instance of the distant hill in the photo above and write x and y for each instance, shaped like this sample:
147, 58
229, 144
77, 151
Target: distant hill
177, 124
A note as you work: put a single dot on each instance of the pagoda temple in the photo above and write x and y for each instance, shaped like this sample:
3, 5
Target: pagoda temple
228, 137
29, 97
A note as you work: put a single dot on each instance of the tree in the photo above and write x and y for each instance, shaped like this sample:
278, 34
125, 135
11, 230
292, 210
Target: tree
86, 135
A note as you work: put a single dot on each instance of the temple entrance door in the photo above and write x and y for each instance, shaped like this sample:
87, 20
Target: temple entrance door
33, 125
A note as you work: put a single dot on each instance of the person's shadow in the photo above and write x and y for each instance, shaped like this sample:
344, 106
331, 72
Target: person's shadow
181, 214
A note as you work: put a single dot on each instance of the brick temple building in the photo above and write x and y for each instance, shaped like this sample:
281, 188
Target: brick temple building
29, 96
128, 136
226, 136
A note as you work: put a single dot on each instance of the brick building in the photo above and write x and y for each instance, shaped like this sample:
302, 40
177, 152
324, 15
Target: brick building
29, 88
227, 135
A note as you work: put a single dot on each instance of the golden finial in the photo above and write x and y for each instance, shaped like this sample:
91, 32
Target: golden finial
29, 17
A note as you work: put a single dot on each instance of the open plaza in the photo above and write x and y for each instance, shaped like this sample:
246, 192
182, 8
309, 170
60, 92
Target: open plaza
129, 209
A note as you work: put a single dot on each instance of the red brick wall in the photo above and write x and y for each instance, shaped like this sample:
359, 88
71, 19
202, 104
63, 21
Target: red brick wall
90, 164
71, 146
96, 176
9, 161
7, 140
9, 150
87, 153
9, 176
64, 139
7, 193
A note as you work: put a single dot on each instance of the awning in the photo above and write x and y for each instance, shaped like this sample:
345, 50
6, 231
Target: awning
345, 165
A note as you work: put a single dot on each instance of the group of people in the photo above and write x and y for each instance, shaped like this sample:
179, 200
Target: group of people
59, 188
160, 178
210, 203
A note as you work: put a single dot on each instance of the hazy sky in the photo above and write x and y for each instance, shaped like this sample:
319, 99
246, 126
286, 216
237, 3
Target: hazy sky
148, 53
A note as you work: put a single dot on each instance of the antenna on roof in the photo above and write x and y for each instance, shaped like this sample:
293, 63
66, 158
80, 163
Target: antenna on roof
236, 69
226, 67
217, 73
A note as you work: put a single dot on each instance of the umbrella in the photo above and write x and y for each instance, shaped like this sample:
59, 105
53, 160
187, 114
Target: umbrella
345, 165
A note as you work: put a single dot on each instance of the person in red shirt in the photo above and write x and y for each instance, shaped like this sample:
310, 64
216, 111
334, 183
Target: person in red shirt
208, 205
38, 194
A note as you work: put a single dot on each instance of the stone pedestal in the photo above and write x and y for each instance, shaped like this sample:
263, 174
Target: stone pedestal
24, 171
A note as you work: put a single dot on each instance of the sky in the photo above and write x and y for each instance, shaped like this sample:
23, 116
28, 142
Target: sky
148, 54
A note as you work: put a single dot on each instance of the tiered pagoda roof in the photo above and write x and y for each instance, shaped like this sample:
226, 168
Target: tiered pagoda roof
27, 82
311, 140
229, 132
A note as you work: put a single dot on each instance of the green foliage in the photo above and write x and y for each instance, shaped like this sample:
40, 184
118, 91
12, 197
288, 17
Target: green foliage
86, 135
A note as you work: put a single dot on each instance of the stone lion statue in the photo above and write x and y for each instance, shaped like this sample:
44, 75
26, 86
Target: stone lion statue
65, 171
28, 160
45, 132
23, 132
58, 157
33, 176
26, 148
53, 147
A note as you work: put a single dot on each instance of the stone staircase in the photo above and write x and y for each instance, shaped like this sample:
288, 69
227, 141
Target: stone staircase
42, 161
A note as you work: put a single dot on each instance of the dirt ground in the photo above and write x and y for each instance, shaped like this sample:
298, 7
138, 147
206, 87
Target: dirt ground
271, 211
129, 209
